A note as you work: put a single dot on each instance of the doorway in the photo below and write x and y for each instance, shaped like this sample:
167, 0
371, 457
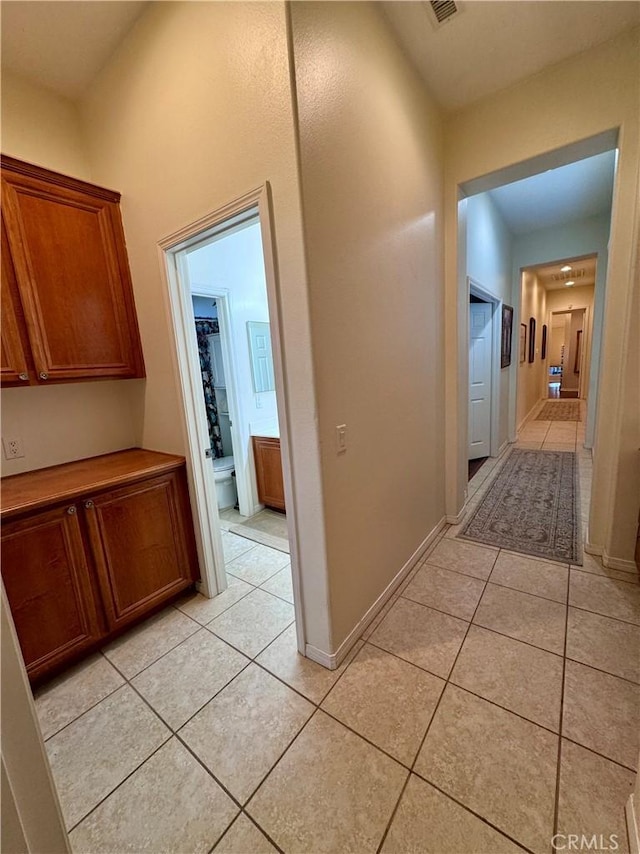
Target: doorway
483, 402
222, 287
567, 354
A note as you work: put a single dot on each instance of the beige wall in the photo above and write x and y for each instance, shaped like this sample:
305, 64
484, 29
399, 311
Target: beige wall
193, 111
370, 142
556, 339
42, 127
573, 100
566, 300
530, 374
63, 422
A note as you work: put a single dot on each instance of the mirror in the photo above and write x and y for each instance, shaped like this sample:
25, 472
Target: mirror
261, 358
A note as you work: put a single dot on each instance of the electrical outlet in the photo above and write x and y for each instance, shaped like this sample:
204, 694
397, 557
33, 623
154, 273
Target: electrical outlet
12, 447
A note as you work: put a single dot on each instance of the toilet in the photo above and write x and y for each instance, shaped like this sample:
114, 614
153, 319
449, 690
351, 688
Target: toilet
225, 478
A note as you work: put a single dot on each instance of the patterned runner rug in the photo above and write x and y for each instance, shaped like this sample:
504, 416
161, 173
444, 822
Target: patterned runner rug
532, 507
560, 410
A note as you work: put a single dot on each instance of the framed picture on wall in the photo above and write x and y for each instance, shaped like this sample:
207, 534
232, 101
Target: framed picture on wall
543, 351
576, 366
532, 339
507, 333
523, 342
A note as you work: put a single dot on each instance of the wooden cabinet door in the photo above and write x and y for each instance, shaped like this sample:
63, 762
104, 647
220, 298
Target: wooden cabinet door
49, 588
142, 544
268, 459
13, 363
71, 268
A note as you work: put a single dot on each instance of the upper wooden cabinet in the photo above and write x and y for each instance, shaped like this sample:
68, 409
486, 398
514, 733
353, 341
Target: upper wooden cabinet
66, 287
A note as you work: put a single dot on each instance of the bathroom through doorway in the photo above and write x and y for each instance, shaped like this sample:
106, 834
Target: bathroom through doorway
222, 282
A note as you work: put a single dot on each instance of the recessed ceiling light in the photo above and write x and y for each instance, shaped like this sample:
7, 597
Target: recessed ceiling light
565, 269
569, 284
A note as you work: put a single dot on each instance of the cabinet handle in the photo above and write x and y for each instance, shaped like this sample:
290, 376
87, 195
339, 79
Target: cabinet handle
72, 510
43, 375
23, 377
88, 504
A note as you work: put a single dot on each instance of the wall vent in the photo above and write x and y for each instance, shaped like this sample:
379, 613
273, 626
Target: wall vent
442, 11
571, 274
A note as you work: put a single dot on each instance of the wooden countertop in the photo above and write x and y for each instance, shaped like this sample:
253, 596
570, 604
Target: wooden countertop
21, 493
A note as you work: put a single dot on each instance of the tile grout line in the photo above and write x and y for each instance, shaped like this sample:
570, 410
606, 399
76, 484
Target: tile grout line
296, 736
280, 757
84, 711
108, 795
448, 681
601, 755
174, 734
556, 805
496, 632
524, 593
607, 616
431, 720
254, 823
128, 682
318, 705
203, 625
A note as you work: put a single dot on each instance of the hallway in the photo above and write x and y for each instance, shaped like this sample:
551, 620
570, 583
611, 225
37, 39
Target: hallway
494, 702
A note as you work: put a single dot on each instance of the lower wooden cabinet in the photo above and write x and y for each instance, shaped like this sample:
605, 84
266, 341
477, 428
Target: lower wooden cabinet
117, 545
140, 543
49, 588
268, 460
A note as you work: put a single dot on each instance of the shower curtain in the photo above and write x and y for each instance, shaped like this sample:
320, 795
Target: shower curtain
204, 327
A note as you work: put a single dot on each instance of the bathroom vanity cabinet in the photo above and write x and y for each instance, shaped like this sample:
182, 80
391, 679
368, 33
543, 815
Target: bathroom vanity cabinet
91, 547
67, 300
268, 460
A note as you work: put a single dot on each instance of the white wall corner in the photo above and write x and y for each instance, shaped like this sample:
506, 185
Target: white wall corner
633, 825
455, 520
333, 660
589, 547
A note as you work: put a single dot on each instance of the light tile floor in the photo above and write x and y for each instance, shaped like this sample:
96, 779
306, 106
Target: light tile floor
493, 702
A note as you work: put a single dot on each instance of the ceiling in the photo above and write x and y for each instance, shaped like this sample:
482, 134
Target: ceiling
63, 45
558, 196
583, 273
490, 45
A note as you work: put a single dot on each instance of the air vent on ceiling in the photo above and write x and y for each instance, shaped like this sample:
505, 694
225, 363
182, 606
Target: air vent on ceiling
442, 11
571, 274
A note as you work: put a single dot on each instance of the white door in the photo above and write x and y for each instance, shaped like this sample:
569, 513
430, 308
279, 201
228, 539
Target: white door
480, 349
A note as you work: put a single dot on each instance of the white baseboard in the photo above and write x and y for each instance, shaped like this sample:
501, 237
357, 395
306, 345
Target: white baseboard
333, 660
608, 560
503, 447
320, 657
633, 825
530, 414
619, 563
455, 520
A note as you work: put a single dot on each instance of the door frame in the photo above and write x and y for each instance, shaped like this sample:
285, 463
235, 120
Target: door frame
201, 477
583, 384
477, 290
246, 485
